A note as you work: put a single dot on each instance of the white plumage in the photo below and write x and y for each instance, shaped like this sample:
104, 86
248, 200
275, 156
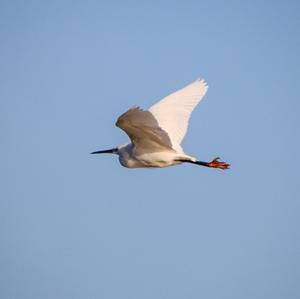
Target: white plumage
174, 111
156, 134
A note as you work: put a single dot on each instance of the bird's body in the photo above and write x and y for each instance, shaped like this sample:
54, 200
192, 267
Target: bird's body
129, 158
156, 134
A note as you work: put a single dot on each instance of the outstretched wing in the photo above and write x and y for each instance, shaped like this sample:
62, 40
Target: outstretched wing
144, 131
173, 112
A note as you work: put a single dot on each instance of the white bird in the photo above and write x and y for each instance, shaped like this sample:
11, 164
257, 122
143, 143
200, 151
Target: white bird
156, 134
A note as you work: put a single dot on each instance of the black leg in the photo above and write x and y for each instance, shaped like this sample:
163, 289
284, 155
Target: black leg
215, 163
196, 162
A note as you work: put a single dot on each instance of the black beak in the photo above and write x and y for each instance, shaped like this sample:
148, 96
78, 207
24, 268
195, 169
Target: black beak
110, 151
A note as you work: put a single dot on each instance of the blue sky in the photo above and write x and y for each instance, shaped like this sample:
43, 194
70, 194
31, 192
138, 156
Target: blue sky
73, 225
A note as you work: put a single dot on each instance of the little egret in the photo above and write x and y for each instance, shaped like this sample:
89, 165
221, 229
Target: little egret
156, 134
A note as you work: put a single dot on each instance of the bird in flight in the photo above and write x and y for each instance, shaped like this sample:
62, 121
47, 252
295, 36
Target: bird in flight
156, 134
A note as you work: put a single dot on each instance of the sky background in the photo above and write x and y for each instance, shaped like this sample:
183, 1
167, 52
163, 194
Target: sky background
75, 225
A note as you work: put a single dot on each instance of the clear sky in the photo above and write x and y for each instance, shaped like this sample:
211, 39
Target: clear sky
75, 225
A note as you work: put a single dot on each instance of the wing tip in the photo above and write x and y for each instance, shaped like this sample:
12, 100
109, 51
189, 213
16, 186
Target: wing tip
202, 81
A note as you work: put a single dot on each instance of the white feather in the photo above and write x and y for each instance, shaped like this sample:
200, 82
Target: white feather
173, 112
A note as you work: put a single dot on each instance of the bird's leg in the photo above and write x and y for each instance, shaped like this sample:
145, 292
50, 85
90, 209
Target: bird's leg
215, 163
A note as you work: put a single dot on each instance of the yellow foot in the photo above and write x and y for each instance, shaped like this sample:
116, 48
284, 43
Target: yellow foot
217, 164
